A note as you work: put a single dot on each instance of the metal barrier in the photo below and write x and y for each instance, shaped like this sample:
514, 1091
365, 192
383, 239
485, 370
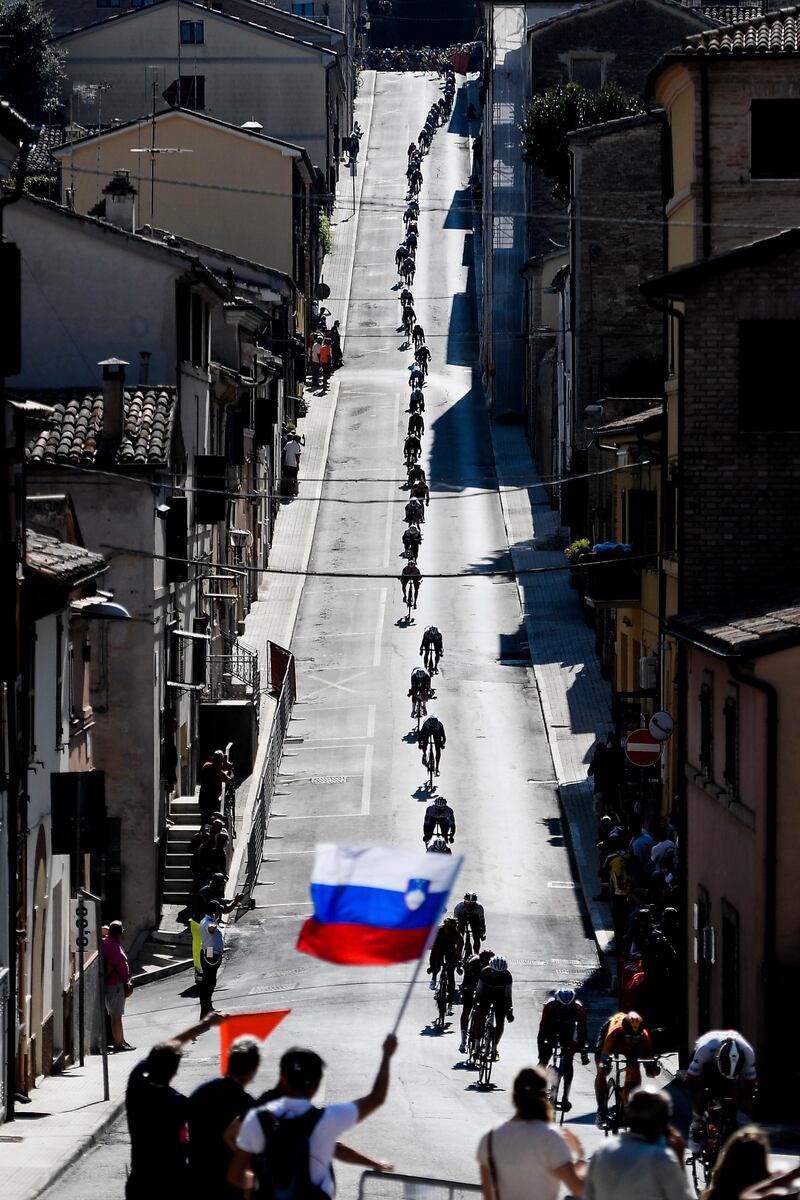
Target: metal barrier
5, 1000
383, 1185
269, 774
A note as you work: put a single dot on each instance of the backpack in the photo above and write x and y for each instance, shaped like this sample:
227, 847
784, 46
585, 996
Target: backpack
282, 1168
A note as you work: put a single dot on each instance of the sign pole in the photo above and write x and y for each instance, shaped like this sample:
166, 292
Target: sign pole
101, 991
81, 936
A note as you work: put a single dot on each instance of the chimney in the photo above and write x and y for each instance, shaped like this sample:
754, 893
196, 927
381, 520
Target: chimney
113, 398
121, 201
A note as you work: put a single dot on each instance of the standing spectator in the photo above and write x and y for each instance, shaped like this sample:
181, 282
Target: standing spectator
528, 1156
117, 979
212, 947
291, 463
742, 1162
641, 846
216, 1111
646, 1161
326, 362
214, 774
316, 347
336, 346
301, 1075
602, 772
197, 910
157, 1120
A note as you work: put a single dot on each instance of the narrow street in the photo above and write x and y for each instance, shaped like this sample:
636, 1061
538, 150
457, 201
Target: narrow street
351, 772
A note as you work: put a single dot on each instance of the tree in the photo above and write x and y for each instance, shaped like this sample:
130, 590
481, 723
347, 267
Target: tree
31, 68
552, 114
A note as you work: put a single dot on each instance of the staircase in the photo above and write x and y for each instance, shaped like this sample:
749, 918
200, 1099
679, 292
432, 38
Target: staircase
184, 815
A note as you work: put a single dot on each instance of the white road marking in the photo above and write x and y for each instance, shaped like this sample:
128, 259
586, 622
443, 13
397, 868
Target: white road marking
366, 785
555, 883
371, 721
341, 686
376, 654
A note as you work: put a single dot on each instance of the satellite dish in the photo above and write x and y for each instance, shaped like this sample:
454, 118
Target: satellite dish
321, 291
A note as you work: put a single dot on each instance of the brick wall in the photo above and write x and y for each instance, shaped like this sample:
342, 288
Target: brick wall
741, 491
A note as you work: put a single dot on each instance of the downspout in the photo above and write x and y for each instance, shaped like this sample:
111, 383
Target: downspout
705, 151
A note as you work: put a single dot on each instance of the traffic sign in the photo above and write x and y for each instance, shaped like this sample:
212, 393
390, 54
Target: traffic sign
661, 726
642, 749
83, 925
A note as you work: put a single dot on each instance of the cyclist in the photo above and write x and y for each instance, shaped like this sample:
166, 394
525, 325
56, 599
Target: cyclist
411, 213
415, 472
563, 1024
439, 846
419, 488
416, 401
412, 538
400, 256
420, 689
409, 317
723, 1066
422, 356
472, 969
418, 336
412, 448
494, 992
415, 512
408, 269
446, 955
432, 649
412, 239
410, 581
415, 376
406, 298
432, 735
416, 424
623, 1034
439, 815
469, 913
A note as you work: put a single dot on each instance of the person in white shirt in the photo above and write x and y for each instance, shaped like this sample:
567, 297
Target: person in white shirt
291, 463
300, 1077
212, 946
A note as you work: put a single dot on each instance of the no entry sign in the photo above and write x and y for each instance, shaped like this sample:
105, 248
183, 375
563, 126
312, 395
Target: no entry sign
642, 749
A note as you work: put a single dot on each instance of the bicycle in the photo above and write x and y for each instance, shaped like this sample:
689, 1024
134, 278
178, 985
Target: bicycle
618, 1081
555, 1080
429, 761
440, 997
467, 946
430, 660
486, 1050
720, 1122
419, 709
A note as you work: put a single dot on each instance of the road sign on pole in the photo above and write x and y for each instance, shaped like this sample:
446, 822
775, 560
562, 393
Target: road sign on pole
83, 925
661, 726
642, 749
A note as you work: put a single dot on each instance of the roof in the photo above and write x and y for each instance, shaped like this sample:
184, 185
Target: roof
186, 7
40, 160
633, 423
583, 10
217, 257
252, 135
767, 35
54, 561
13, 126
681, 281
729, 14
75, 432
746, 633
618, 125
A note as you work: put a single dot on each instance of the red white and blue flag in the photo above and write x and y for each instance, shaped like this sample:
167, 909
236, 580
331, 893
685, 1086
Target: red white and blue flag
375, 905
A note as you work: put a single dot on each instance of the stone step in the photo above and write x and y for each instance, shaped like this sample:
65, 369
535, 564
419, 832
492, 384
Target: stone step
186, 818
181, 835
175, 893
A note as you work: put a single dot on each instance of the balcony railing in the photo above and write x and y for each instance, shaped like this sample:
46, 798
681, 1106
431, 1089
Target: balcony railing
234, 674
611, 579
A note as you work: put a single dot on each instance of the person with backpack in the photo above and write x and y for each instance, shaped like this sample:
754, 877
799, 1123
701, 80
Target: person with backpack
288, 1144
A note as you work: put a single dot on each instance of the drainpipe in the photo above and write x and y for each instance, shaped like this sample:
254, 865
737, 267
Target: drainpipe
769, 968
706, 156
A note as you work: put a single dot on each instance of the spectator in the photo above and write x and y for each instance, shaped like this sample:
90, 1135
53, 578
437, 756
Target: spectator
200, 848
157, 1117
336, 346
326, 361
117, 979
604, 773
216, 1111
641, 845
197, 910
316, 347
528, 1156
216, 856
291, 463
742, 1162
646, 1161
212, 947
300, 1077
214, 774
604, 848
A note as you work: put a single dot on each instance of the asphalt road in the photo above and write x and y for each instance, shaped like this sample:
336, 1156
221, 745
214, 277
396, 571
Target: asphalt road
351, 771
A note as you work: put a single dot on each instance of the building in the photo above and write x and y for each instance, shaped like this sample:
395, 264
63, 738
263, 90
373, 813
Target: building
265, 209
180, 54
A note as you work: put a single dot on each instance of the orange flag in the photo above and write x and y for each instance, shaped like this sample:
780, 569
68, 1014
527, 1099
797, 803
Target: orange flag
257, 1024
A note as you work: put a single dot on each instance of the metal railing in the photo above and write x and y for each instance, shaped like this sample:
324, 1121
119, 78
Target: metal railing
5, 1000
384, 1185
269, 775
229, 672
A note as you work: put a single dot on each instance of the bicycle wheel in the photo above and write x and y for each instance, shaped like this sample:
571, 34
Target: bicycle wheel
486, 1056
430, 772
440, 996
612, 1107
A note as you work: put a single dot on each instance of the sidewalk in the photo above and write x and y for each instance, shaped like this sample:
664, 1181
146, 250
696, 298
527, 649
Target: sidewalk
66, 1115
575, 699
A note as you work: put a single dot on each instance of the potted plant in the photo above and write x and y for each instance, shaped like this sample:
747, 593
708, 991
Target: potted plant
574, 554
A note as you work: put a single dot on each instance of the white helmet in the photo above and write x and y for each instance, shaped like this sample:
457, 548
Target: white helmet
498, 963
439, 846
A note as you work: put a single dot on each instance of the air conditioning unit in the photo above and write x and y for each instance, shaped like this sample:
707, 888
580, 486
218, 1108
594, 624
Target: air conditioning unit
648, 673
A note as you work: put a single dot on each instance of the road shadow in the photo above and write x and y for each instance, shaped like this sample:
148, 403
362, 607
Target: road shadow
459, 215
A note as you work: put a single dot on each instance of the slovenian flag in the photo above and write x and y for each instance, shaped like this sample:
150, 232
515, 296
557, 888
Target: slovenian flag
374, 905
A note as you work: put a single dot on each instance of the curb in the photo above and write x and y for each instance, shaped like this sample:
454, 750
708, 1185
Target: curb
145, 977
86, 1143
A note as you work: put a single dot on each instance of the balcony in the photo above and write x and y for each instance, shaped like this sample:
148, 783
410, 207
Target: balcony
611, 578
233, 674
231, 699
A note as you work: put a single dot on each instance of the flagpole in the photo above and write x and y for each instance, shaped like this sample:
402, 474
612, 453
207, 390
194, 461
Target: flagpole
407, 996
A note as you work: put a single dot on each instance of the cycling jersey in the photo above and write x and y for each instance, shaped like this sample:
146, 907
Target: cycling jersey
565, 1023
420, 681
414, 510
705, 1054
430, 639
474, 917
432, 729
447, 946
412, 536
494, 988
445, 818
613, 1039
472, 971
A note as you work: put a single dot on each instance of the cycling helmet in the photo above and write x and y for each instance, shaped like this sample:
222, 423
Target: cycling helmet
498, 963
440, 802
730, 1058
470, 897
439, 846
565, 996
419, 673
633, 1025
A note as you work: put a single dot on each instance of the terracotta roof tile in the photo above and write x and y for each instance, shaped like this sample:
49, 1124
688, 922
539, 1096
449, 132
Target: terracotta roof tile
755, 630
74, 431
770, 34
731, 14
633, 421
60, 562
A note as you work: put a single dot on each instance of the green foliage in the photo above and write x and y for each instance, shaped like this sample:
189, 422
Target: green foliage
576, 551
32, 70
552, 114
325, 233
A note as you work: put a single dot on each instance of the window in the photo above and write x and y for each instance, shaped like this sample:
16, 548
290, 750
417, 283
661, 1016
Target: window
774, 146
586, 70
730, 966
769, 396
730, 772
303, 8
643, 521
188, 91
707, 726
192, 33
